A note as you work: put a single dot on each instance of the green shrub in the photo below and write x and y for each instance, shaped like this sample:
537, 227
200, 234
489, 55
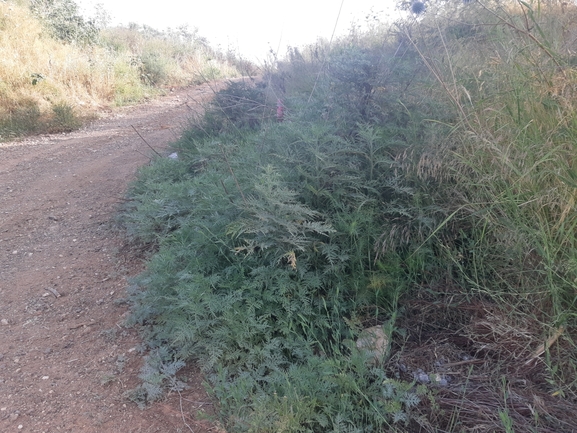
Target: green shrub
64, 21
267, 271
434, 159
241, 105
153, 69
64, 119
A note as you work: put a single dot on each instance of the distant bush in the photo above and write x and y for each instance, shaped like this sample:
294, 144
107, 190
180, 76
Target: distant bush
63, 20
64, 118
241, 105
171, 57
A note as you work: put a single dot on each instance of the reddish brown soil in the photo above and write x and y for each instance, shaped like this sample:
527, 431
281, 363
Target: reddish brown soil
66, 361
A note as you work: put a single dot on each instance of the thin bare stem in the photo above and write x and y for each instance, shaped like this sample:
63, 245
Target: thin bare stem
146, 142
527, 34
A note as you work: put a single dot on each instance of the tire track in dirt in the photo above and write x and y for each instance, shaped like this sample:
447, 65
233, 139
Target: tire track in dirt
65, 362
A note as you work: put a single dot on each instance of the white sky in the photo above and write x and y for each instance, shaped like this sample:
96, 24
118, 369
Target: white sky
250, 27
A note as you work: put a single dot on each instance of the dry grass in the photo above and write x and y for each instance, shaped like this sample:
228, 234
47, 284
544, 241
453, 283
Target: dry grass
505, 338
481, 360
81, 77
41, 77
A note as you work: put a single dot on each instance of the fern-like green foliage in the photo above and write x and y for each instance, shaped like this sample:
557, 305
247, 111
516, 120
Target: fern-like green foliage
272, 217
157, 375
395, 167
271, 254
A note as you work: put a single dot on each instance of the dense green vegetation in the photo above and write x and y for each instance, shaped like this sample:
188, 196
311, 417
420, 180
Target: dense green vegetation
58, 68
419, 177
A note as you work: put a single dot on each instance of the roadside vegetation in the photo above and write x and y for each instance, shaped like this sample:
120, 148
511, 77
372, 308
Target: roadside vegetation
418, 177
58, 68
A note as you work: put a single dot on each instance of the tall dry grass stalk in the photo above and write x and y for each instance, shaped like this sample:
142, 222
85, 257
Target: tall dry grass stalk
508, 70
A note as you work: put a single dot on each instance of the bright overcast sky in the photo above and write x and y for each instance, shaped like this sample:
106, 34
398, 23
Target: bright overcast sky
251, 27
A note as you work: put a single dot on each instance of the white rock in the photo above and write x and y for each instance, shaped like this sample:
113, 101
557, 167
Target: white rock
4, 322
374, 342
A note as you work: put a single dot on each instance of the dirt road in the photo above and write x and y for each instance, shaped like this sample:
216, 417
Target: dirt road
66, 358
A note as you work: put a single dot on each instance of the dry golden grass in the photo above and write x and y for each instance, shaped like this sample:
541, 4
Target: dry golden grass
39, 74
67, 73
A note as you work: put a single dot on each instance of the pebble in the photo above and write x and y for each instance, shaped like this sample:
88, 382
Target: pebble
439, 380
4, 322
422, 377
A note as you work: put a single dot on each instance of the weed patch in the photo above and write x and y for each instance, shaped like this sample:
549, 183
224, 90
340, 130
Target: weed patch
420, 180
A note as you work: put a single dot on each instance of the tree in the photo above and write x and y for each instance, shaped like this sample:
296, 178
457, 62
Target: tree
64, 21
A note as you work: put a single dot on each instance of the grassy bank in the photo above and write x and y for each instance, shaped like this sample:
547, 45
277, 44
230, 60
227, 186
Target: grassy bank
416, 177
58, 68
